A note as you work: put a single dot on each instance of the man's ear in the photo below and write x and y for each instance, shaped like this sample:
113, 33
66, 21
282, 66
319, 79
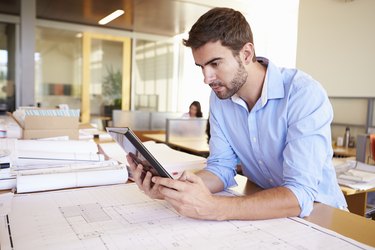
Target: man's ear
248, 53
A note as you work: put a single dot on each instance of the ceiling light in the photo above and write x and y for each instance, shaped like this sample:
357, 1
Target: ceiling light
111, 16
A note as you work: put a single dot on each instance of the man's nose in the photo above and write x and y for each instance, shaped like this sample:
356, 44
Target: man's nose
209, 75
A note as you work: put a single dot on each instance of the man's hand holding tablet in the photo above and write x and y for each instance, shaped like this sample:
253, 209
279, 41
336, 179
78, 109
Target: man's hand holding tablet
142, 164
188, 195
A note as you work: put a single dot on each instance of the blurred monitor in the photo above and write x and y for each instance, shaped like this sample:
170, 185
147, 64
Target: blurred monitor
186, 129
136, 120
159, 119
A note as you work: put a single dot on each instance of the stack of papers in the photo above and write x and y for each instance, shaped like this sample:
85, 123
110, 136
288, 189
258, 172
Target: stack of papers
10, 128
39, 165
7, 178
356, 175
174, 161
84, 175
30, 154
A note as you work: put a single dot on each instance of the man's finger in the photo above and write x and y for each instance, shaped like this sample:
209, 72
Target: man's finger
191, 177
167, 182
147, 181
137, 173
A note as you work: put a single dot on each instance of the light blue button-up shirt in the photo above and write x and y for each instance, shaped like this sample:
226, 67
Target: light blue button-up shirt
284, 140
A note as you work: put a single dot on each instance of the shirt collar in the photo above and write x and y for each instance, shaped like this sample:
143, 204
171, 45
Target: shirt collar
273, 86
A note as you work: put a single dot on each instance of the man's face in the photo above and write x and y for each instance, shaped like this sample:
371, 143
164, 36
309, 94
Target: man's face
224, 72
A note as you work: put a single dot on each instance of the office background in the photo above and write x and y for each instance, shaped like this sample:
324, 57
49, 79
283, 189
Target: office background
53, 52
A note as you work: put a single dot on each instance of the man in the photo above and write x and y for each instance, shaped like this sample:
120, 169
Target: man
276, 122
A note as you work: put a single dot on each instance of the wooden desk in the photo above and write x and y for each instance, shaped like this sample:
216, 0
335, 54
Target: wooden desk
159, 135
198, 147
155, 137
194, 146
356, 199
342, 222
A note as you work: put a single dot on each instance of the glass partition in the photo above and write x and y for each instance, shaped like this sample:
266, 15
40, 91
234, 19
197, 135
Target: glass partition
136, 120
153, 75
159, 119
58, 68
142, 120
105, 76
186, 129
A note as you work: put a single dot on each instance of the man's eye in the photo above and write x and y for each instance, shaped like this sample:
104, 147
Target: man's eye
214, 64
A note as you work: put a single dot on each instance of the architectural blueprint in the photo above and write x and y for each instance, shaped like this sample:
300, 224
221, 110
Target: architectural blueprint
122, 217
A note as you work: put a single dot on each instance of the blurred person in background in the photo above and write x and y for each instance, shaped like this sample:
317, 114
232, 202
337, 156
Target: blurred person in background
195, 110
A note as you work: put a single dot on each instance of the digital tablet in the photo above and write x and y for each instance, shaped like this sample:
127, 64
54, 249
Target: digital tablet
126, 138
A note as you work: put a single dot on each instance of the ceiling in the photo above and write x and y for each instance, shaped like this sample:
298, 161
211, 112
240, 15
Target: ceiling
159, 17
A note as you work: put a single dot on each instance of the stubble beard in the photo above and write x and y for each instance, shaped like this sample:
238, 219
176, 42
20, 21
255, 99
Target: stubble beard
235, 84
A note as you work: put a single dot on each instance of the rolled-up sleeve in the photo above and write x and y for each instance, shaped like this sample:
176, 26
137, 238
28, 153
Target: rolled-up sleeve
225, 174
308, 144
222, 160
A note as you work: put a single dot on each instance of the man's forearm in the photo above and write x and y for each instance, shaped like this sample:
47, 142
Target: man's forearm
213, 183
276, 202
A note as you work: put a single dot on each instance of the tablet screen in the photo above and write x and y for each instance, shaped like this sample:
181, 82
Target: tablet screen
126, 138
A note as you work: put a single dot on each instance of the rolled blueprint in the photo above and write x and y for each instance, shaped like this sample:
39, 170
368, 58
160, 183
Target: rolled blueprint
68, 177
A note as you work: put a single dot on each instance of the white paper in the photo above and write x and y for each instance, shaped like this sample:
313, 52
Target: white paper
123, 217
358, 175
42, 154
175, 162
356, 185
4, 235
8, 183
71, 146
168, 156
113, 151
354, 174
58, 156
5, 203
51, 179
8, 148
5, 173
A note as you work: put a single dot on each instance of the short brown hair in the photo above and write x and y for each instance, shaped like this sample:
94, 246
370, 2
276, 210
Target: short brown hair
220, 24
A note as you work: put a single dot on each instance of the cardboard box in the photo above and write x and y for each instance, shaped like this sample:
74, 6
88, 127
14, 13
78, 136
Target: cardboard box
50, 122
36, 127
45, 133
50, 126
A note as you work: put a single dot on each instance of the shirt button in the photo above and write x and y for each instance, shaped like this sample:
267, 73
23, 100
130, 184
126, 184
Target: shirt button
260, 162
271, 181
254, 139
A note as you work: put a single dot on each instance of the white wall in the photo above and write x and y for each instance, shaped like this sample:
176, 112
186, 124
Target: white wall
191, 86
275, 37
336, 45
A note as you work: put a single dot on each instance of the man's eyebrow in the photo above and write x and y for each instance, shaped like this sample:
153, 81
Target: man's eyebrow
210, 61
